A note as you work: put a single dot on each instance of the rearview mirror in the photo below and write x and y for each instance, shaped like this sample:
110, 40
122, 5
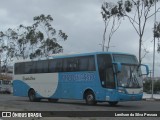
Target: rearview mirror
144, 69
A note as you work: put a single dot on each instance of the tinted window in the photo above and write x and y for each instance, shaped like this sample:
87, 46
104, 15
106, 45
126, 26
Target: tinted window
125, 58
28, 67
52, 66
91, 65
42, 66
72, 64
56, 65
19, 68
106, 71
84, 63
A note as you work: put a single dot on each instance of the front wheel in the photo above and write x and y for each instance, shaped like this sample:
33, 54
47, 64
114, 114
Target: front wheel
90, 98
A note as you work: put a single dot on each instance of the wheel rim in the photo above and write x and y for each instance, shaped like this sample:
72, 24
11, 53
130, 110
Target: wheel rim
32, 95
90, 98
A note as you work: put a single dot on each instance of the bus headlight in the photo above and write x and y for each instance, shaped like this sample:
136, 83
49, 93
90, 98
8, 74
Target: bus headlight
121, 91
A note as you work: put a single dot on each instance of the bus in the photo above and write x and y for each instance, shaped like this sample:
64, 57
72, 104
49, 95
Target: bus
5, 86
94, 77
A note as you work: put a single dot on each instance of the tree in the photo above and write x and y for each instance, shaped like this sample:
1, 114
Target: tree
7, 45
147, 86
157, 86
47, 42
138, 13
37, 40
110, 12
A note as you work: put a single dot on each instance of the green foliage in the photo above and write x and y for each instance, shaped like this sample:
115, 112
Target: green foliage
109, 10
38, 40
156, 33
158, 48
136, 11
157, 86
147, 86
128, 6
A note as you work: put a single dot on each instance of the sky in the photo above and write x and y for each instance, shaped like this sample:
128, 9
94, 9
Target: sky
81, 20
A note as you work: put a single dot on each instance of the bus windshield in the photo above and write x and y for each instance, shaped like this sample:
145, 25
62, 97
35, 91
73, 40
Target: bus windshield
129, 77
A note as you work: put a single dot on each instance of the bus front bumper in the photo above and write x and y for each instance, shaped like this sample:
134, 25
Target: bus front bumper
129, 97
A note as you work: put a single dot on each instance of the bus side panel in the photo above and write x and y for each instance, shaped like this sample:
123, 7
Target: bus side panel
73, 84
20, 88
44, 84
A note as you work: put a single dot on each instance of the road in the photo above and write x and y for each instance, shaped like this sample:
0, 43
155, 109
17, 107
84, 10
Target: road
13, 103
22, 103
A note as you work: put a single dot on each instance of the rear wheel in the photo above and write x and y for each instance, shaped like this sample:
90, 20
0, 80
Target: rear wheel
52, 100
90, 98
113, 103
32, 96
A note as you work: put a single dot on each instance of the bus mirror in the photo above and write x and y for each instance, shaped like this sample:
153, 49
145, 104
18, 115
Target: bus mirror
144, 69
118, 67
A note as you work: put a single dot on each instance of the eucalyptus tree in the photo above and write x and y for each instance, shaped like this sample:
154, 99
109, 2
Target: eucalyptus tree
44, 38
138, 12
38, 40
112, 19
24, 42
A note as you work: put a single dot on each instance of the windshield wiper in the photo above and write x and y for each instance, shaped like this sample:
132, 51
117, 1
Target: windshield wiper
132, 80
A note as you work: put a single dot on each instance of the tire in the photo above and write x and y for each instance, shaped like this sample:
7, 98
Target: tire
32, 96
52, 100
113, 103
90, 98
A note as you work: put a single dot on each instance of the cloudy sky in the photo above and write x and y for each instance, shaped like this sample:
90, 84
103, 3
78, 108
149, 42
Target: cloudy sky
81, 20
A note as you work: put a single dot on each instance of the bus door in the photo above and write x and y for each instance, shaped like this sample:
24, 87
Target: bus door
106, 75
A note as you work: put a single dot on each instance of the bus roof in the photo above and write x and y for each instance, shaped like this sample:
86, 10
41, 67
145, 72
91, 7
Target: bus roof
85, 54
54, 56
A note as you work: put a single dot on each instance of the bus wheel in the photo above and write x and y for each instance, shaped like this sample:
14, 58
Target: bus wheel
90, 98
52, 100
113, 103
32, 96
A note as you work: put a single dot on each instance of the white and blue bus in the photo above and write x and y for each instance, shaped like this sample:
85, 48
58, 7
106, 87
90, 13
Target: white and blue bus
94, 77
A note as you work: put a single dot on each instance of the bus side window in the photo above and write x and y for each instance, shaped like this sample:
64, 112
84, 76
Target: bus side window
59, 65
19, 68
52, 66
45, 66
42, 66
28, 67
33, 68
76, 64
65, 65
91, 66
83, 64
72, 64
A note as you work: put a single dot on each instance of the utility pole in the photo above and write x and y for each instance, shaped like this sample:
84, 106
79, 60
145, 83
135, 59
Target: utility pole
153, 56
150, 73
